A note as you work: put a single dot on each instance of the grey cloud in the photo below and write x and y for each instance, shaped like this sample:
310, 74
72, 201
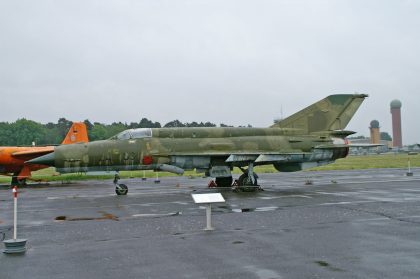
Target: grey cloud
234, 62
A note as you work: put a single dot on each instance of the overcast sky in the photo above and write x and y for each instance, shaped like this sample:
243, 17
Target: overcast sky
235, 62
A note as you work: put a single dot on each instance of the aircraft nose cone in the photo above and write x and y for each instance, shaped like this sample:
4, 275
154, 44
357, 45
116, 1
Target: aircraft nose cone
48, 160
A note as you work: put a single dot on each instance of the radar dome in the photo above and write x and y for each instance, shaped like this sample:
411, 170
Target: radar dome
374, 124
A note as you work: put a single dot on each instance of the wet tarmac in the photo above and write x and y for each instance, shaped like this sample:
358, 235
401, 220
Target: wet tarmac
352, 224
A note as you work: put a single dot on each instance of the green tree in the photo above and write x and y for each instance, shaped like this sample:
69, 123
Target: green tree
385, 136
5, 134
98, 132
89, 125
52, 135
63, 125
115, 128
146, 123
174, 123
26, 131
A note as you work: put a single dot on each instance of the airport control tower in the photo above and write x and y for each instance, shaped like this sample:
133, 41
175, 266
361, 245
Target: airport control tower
396, 123
375, 135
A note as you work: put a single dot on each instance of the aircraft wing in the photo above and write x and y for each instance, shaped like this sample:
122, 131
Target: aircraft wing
332, 146
262, 158
34, 152
269, 157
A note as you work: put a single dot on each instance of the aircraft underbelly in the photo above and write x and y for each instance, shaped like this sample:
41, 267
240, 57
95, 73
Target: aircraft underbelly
191, 162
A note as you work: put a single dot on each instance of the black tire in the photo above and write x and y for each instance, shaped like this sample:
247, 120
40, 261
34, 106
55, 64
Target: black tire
17, 182
121, 189
224, 181
245, 181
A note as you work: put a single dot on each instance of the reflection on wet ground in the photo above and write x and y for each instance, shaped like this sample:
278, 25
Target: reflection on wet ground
345, 225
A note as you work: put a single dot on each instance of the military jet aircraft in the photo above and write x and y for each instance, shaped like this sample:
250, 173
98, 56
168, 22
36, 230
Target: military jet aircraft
13, 158
312, 137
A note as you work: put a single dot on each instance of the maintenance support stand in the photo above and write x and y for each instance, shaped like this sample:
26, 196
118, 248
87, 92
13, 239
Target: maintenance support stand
15, 245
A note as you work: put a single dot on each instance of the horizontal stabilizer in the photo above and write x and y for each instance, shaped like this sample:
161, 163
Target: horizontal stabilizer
337, 134
364, 145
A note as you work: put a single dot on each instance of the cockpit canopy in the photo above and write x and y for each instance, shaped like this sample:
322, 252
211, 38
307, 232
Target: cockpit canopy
134, 134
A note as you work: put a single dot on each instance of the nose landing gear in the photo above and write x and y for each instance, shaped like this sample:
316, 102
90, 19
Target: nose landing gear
18, 182
120, 189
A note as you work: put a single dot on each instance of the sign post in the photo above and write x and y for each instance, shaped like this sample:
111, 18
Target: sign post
15, 193
15, 245
208, 200
208, 218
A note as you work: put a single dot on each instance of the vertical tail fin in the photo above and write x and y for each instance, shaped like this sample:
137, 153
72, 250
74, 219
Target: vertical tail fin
77, 133
332, 113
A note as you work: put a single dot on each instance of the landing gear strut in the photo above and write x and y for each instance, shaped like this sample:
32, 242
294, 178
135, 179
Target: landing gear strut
249, 177
120, 189
248, 181
18, 182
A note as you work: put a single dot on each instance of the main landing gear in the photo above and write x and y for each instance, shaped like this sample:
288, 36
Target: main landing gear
249, 177
247, 182
120, 189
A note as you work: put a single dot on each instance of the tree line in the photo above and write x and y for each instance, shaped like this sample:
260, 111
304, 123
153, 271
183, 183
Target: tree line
25, 132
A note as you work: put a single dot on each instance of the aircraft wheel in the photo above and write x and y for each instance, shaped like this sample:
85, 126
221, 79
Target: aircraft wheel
121, 189
224, 181
244, 180
17, 182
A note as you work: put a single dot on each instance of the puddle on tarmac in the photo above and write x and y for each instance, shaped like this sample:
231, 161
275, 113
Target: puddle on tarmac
322, 263
157, 215
327, 265
256, 209
105, 216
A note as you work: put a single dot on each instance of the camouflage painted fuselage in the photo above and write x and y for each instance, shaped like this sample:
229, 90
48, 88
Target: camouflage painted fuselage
309, 138
202, 149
